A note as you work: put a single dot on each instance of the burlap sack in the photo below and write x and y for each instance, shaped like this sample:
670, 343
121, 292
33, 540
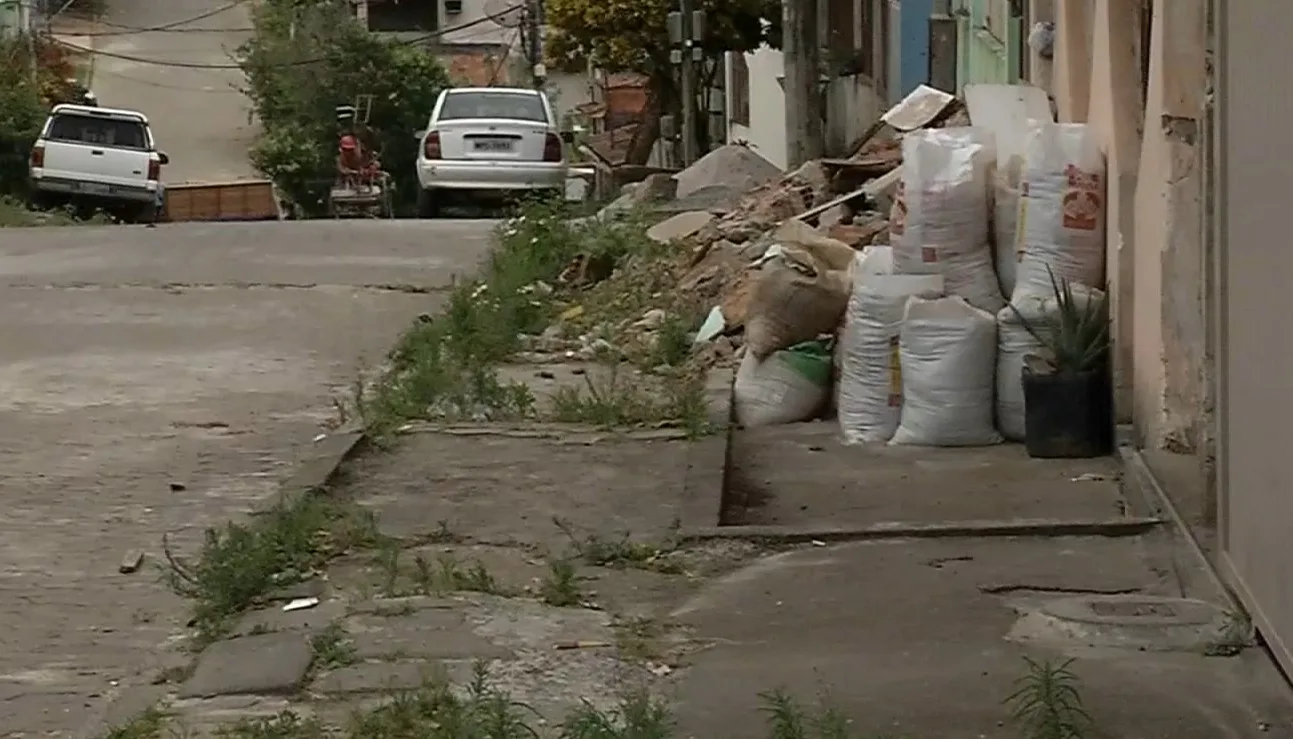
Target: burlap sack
795, 298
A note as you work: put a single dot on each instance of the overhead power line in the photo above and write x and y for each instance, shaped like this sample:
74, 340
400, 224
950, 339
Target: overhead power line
297, 63
172, 26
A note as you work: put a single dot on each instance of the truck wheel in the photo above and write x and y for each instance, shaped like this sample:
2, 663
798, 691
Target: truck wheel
428, 206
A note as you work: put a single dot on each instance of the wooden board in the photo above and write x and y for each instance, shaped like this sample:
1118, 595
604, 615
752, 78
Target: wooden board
248, 200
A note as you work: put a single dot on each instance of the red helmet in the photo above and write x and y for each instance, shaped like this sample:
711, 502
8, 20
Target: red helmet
348, 143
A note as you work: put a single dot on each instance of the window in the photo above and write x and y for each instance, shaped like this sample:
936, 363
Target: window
396, 16
740, 89
99, 131
517, 106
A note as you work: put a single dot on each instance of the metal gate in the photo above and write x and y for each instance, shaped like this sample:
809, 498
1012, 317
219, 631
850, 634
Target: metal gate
1253, 294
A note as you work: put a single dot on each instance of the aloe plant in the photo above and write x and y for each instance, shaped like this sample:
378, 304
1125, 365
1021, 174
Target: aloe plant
1076, 335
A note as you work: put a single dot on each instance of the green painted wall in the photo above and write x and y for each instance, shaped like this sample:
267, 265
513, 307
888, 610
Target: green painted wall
984, 57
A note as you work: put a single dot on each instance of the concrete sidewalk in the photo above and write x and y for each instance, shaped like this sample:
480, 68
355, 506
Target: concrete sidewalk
913, 638
909, 637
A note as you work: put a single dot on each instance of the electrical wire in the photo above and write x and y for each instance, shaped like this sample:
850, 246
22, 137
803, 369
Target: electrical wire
297, 63
173, 25
502, 58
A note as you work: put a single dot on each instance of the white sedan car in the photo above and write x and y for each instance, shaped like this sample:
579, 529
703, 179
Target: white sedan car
489, 142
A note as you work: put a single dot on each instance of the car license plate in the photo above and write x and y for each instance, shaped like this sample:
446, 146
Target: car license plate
95, 188
494, 145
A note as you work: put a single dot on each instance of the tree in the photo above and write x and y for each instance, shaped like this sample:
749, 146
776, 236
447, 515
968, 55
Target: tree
24, 105
633, 36
308, 56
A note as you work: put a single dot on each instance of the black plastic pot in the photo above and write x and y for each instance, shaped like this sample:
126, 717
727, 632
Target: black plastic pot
1068, 415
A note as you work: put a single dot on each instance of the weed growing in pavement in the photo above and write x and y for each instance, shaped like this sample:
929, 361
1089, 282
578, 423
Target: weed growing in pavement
435, 711
613, 401
1236, 636
561, 586
151, 724
1047, 702
622, 551
333, 647
638, 638
638, 715
445, 366
285, 725
673, 340
474, 577
789, 719
241, 563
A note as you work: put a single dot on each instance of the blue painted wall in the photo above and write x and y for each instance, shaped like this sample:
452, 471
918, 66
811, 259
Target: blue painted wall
909, 37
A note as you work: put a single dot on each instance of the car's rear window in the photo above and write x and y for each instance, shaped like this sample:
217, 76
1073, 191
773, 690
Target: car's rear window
88, 129
510, 105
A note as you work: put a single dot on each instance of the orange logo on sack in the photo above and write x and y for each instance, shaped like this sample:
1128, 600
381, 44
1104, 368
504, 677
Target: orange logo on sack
1083, 199
898, 213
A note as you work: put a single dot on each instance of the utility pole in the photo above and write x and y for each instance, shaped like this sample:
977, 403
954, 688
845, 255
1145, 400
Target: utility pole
686, 30
804, 135
27, 26
534, 32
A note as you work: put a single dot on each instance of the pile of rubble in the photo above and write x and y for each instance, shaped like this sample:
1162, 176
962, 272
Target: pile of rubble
828, 208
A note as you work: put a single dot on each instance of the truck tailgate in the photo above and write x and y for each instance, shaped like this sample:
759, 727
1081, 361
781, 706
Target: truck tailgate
96, 163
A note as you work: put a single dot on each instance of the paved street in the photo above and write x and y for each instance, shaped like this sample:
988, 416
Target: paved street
134, 358
199, 116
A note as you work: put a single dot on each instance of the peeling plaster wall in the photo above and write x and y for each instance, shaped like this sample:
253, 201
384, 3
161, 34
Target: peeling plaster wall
1155, 241
1179, 123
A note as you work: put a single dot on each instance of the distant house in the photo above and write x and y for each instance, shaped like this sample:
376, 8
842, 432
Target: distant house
855, 89
479, 42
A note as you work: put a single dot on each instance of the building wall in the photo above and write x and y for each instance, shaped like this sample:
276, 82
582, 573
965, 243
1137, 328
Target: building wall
766, 132
1149, 129
473, 27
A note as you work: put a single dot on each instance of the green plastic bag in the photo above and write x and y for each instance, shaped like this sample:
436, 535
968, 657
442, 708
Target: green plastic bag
812, 360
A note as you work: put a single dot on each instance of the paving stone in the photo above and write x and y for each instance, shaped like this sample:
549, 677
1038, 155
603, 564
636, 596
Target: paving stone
376, 677
387, 606
430, 634
276, 619
266, 663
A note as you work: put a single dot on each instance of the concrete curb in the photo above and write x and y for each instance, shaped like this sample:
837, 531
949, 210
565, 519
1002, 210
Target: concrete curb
1037, 527
709, 459
311, 475
1185, 554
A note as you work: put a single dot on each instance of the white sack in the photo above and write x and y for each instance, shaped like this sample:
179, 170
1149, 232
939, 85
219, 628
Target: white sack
770, 392
1014, 343
869, 390
1005, 222
1062, 217
948, 350
939, 220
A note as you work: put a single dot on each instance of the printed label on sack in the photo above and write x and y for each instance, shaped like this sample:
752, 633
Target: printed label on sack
928, 254
1083, 199
895, 374
898, 213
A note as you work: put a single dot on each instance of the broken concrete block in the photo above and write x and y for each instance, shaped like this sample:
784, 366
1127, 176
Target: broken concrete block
263, 664
680, 226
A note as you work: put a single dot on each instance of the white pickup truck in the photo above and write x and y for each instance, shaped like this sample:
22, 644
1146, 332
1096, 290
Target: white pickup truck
102, 157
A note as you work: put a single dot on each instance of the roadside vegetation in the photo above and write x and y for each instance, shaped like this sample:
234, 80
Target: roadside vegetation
24, 104
535, 296
1047, 705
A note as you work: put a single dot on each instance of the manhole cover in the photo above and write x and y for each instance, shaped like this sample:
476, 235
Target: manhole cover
1133, 609
1144, 622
